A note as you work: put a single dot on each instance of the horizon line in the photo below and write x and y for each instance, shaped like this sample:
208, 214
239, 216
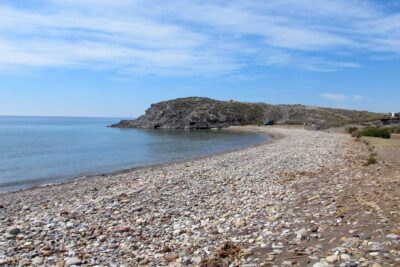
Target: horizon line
66, 116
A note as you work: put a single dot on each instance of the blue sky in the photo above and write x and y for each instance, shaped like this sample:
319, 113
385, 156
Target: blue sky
115, 58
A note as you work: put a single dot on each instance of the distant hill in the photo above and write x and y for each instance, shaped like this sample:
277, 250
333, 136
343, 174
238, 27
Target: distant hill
206, 113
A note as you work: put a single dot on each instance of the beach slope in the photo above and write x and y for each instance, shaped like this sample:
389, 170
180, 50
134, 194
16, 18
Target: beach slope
303, 199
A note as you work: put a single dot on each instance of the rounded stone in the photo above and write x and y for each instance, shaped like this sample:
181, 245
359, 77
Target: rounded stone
345, 257
332, 259
14, 231
72, 261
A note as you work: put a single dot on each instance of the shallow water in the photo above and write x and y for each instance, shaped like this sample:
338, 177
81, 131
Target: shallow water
39, 150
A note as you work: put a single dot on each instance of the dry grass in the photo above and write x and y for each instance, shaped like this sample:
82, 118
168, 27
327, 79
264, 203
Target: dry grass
371, 160
382, 143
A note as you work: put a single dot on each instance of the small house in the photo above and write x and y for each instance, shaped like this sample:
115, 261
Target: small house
395, 115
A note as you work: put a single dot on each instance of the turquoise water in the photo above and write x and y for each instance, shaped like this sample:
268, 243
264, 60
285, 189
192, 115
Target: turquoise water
40, 150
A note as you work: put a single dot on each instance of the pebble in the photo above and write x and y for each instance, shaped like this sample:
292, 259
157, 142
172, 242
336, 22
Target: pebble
72, 261
332, 259
37, 261
345, 257
13, 231
301, 234
186, 261
102, 238
393, 236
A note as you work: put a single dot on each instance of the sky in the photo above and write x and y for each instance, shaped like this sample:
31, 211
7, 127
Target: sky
114, 58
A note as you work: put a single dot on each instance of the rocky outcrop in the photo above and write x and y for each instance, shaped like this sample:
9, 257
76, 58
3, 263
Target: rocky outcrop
206, 113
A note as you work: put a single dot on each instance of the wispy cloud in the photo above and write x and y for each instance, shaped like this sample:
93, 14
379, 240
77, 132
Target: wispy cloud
341, 97
334, 97
177, 37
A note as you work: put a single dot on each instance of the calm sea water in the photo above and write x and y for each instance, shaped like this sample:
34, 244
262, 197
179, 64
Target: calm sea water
39, 150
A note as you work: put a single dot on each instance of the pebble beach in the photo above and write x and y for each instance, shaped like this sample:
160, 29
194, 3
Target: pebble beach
303, 199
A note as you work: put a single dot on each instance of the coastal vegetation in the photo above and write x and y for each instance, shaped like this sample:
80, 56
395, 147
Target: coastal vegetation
379, 132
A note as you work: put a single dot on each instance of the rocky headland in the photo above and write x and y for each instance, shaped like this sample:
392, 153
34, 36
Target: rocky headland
206, 113
306, 199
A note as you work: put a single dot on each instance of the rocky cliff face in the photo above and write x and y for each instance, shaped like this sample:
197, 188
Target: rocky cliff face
205, 113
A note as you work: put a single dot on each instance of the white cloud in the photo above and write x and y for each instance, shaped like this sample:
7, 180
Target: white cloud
341, 97
334, 97
179, 37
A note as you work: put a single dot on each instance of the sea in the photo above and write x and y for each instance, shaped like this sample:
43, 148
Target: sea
45, 150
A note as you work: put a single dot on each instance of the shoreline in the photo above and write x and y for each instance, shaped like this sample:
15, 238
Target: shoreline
250, 128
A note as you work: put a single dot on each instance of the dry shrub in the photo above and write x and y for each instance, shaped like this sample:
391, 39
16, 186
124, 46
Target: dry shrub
223, 256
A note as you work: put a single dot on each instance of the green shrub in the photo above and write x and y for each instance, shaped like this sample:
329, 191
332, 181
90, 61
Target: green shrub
351, 130
373, 132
